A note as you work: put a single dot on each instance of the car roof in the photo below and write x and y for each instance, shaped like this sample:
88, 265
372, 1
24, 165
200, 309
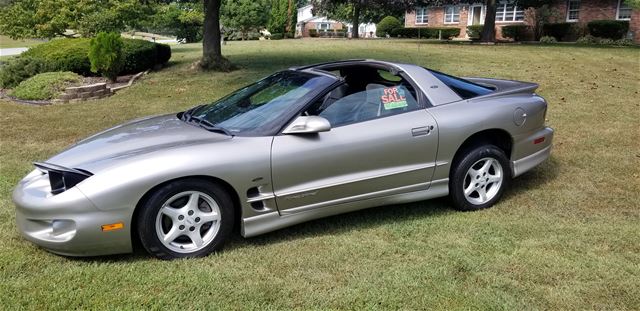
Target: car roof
436, 91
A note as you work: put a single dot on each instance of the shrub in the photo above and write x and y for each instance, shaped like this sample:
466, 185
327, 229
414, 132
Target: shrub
548, 39
605, 41
164, 53
276, 36
253, 35
105, 54
515, 32
72, 55
588, 39
313, 33
64, 55
45, 85
341, 33
557, 30
387, 25
19, 69
625, 42
609, 29
474, 31
426, 32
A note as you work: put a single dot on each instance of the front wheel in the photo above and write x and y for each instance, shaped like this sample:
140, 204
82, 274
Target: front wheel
479, 178
185, 218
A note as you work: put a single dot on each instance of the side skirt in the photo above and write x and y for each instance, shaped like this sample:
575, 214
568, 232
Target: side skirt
264, 223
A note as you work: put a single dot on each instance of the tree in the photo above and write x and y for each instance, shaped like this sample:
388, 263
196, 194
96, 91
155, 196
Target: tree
105, 54
51, 18
245, 15
355, 10
212, 58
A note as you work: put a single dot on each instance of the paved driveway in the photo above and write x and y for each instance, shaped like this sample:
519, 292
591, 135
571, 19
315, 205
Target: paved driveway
12, 51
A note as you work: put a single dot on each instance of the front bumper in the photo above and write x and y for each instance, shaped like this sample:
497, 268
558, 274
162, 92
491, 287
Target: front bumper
67, 223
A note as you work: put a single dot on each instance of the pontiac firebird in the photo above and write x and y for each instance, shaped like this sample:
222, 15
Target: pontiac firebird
301, 144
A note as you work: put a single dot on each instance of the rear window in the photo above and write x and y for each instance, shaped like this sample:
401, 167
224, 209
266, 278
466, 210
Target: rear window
465, 89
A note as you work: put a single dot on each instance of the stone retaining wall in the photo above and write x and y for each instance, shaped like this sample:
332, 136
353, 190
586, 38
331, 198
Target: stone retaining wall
78, 93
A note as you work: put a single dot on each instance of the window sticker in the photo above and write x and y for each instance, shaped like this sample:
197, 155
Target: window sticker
393, 98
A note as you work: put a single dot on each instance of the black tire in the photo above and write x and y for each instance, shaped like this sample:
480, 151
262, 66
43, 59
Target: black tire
146, 221
459, 174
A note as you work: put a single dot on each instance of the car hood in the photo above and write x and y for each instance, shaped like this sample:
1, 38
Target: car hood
136, 138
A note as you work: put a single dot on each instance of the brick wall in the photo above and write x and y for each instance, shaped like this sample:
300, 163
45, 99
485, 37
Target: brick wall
589, 10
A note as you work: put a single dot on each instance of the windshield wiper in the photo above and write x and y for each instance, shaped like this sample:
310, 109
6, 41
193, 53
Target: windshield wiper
210, 126
187, 115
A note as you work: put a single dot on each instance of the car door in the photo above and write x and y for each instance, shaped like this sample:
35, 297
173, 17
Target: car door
381, 143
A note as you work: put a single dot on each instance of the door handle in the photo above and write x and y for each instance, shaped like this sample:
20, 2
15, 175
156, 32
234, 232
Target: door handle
421, 131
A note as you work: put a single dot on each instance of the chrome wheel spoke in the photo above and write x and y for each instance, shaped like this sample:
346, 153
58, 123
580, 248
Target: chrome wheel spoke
193, 201
485, 167
173, 213
196, 238
482, 192
209, 217
173, 234
469, 190
494, 179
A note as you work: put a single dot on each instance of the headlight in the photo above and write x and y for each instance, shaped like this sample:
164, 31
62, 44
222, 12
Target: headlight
62, 178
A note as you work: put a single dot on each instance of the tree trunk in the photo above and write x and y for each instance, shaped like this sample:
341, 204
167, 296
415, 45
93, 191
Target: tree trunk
211, 50
489, 28
289, 18
355, 20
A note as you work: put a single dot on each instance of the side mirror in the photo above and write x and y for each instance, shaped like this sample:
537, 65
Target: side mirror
308, 125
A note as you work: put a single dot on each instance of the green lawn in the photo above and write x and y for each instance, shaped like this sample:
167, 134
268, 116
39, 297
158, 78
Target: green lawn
565, 236
6, 42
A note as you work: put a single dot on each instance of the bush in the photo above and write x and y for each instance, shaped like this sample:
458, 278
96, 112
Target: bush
387, 25
548, 39
557, 30
64, 55
625, 42
276, 36
72, 55
515, 32
341, 33
313, 33
605, 41
45, 85
609, 29
164, 54
588, 39
253, 35
474, 31
426, 32
19, 69
105, 54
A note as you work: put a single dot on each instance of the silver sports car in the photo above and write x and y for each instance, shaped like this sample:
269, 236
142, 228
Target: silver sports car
301, 144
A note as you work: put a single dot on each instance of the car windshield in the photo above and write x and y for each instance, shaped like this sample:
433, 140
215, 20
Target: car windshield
263, 106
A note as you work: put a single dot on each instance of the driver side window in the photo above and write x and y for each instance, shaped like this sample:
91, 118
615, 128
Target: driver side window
361, 101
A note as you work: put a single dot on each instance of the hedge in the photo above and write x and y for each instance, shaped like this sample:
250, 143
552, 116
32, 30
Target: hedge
515, 32
18, 69
557, 30
276, 36
426, 32
474, 31
609, 29
72, 55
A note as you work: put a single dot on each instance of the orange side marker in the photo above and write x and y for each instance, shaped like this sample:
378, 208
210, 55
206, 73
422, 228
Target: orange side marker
111, 227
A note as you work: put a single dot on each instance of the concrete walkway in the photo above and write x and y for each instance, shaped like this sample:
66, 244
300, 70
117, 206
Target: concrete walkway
12, 51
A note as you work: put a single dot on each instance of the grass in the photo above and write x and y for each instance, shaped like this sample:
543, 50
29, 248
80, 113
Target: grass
6, 42
565, 236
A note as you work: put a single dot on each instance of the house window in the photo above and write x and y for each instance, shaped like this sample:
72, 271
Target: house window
573, 10
422, 16
509, 12
451, 14
324, 26
624, 11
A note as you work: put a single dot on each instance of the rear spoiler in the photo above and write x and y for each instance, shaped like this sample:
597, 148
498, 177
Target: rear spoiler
504, 87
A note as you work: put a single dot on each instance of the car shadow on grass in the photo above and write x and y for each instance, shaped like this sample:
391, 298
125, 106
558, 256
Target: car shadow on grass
358, 220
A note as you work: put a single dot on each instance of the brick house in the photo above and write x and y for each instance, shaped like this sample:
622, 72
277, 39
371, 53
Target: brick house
574, 11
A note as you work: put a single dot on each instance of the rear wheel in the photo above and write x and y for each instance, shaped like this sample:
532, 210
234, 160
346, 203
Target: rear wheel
479, 178
185, 218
